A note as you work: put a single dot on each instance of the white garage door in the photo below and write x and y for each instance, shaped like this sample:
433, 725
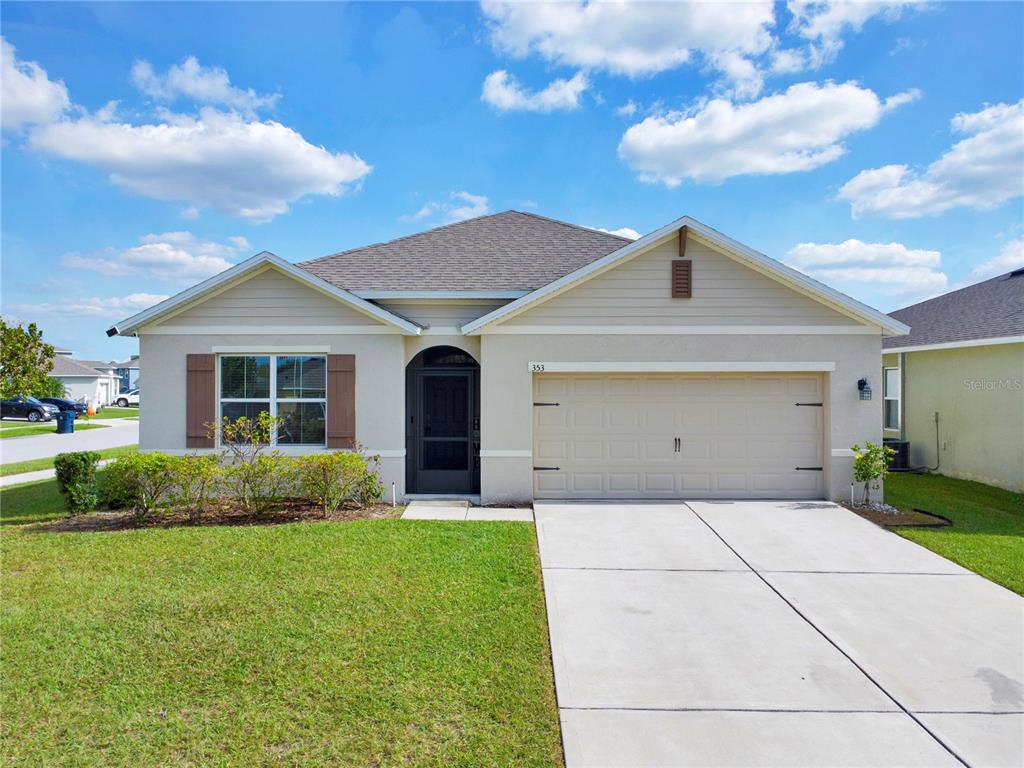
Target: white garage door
677, 435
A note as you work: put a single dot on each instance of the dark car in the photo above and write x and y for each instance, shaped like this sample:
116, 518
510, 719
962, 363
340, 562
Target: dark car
27, 408
66, 405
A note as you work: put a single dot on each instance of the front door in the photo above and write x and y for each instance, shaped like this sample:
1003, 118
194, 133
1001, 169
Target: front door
444, 427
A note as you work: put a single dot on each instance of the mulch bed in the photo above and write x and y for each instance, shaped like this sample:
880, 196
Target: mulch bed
902, 518
285, 512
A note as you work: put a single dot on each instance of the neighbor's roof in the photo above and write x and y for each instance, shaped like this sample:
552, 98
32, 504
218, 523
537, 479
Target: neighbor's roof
508, 251
991, 309
66, 366
135, 362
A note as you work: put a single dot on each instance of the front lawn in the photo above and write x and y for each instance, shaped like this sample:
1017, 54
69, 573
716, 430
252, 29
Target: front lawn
113, 412
26, 428
34, 465
987, 534
384, 642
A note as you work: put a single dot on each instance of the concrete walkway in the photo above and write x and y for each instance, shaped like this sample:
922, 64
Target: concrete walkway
457, 509
120, 432
773, 633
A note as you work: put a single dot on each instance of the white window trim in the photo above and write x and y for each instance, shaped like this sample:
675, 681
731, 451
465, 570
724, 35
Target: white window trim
886, 396
272, 396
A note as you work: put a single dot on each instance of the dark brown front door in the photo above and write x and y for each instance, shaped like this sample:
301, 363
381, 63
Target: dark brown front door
444, 427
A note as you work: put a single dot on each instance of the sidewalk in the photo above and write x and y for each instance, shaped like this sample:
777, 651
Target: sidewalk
120, 432
41, 474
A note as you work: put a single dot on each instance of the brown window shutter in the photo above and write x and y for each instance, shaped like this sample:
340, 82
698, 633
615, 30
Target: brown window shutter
200, 400
682, 279
341, 401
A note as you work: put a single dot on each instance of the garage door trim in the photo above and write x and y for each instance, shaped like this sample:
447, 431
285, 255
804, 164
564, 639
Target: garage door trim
680, 367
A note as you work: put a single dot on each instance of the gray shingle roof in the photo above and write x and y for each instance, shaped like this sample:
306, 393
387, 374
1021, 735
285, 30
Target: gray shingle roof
986, 310
66, 366
500, 252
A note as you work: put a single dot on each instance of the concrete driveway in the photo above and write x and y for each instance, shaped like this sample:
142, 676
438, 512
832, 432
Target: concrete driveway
119, 432
773, 634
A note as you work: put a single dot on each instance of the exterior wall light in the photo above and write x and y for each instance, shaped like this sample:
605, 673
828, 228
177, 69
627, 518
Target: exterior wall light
865, 389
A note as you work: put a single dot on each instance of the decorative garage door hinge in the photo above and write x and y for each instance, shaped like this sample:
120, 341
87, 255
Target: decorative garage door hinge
812, 405
810, 469
542, 405
546, 469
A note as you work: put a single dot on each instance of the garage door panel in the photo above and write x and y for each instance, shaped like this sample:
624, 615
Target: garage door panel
739, 435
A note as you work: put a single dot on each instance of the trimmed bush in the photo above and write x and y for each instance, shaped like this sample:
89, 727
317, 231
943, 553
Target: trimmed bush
331, 480
76, 479
138, 481
260, 482
193, 480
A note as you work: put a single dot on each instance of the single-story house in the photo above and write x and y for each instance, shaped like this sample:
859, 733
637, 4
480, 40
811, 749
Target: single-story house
127, 373
954, 387
90, 381
517, 357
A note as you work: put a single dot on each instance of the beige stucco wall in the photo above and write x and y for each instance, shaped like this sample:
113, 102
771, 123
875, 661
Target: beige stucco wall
380, 387
978, 393
507, 390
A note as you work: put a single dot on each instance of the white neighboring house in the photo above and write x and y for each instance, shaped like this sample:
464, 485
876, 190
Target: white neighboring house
91, 381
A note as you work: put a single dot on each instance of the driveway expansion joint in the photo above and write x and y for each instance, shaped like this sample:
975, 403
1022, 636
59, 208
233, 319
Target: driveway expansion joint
834, 644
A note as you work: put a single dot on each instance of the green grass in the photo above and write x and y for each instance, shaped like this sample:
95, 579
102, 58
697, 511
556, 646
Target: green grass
384, 643
25, 428
35, 502
34, 465
113, 412
987, 535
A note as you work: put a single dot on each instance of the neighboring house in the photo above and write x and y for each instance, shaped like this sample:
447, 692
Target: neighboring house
91, 381
520, 357
127, 373
954, 388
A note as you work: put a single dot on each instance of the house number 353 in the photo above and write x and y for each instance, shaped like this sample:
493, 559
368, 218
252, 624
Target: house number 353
537, 367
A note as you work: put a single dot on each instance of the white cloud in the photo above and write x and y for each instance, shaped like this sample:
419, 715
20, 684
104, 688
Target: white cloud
221, 160
27, 94
981, 171
627, 232
458, 207
115, 307
504, 92
1009, 258
825, 23
796, 130
175, 256
203, 85
634, 39
856, 267
628, 109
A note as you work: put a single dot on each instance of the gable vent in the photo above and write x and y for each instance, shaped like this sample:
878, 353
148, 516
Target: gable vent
682, 279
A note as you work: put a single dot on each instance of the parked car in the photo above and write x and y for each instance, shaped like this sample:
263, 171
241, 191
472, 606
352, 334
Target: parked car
27, 408
66, 405
131, 397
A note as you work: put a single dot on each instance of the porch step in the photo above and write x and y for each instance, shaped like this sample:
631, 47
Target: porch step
459, 509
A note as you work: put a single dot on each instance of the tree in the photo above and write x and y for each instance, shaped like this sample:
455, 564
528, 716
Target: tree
25, 359
50, 388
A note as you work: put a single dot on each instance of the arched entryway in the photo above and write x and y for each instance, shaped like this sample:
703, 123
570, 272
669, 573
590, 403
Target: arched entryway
442, 422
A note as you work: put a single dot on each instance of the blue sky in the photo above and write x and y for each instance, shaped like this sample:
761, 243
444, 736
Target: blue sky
145, 146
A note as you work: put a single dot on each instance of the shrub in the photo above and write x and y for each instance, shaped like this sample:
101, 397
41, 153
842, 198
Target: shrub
331, 480
259, 483
870, 464
138, 481
192, 480
76, 479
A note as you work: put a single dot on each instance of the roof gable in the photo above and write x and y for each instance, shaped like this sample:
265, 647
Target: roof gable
508, 251
243, 271
987, 310
721, 243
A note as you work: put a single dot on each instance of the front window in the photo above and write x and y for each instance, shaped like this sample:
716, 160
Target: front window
891, 398
292, 388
